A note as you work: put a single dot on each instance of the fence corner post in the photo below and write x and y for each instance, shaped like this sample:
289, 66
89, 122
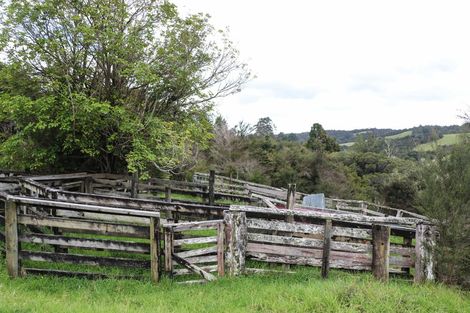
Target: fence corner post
155, 249
325, 264
11, 238
236, 236
291, 196
380, 251
426, 236
221, 249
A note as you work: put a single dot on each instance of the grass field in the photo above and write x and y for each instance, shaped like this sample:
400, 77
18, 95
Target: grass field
405, 134
303, 291
446, 140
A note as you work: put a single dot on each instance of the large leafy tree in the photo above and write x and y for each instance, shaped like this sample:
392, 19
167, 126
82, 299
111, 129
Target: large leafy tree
109, 84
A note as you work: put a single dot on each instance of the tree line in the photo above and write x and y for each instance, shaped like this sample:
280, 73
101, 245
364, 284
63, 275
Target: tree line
436, 186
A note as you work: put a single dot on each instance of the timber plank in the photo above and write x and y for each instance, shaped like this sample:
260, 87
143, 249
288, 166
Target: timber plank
283, 250
257, 223
200, 259
105, 217
197, 252
304, 252
196, 269
141, 204
178, 227
97, 227
184, 271
82, 259
309, 242
297, 260
86, 243
82, 207
401, 261
405, 251
198, 240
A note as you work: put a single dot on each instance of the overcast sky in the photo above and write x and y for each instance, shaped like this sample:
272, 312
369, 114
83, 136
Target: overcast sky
347, 64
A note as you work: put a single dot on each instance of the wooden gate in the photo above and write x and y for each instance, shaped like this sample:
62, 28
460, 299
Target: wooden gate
194, 248
43, 234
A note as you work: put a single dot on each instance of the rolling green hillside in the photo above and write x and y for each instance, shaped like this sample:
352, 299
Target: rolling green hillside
346, 136
404, 142
446, 140
404, 134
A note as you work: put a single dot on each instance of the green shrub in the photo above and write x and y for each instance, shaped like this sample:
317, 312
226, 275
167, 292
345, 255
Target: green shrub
445, 197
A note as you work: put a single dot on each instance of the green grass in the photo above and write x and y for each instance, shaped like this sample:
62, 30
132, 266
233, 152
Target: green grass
446, 140
303, 291
404, 134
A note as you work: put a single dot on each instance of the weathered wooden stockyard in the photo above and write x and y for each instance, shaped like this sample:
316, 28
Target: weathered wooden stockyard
106, 220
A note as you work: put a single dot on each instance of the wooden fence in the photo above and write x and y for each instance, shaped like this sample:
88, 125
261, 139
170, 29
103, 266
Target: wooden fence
244, 187
123, 185
208, 187
279, 196
175, 210
368, 208
34, 225
382, 245
58, 207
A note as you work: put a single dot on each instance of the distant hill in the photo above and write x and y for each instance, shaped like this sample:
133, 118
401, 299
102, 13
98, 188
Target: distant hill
418, 139
346, 136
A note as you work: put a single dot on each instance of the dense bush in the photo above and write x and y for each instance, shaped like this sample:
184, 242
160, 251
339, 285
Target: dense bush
445, 197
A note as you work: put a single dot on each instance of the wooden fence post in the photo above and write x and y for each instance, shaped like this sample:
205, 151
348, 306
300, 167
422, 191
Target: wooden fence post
364, 207
236, 234
211, 187
170, 216
291, 196
88, 185
155, 249
425, 243
169, 244
168, 194
11, 238
135, 184
221, 249
325, 264
380, 251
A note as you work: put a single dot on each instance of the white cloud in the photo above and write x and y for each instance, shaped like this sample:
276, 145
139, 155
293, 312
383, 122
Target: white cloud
347, 64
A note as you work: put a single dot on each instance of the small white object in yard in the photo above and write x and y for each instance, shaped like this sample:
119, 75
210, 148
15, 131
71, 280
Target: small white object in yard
316, 200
